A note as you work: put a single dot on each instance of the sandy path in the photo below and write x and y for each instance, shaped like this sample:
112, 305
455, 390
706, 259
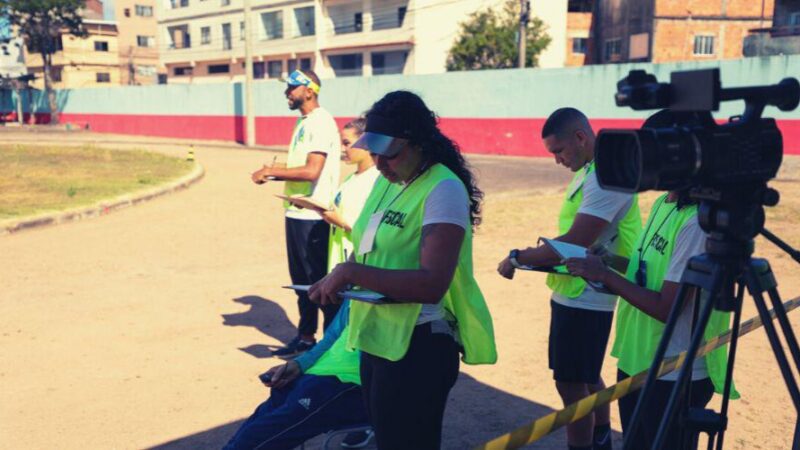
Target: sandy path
147, 327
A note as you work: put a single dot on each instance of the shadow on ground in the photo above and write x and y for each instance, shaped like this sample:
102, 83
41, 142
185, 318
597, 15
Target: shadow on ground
265, 316
476, 412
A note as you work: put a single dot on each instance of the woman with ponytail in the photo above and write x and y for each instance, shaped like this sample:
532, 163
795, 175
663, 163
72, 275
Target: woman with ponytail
413, 244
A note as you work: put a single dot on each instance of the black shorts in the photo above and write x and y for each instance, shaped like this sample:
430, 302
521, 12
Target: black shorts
578, 339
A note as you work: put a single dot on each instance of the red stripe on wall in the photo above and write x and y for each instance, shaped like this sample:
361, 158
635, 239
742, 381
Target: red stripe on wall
218, 128
517, 137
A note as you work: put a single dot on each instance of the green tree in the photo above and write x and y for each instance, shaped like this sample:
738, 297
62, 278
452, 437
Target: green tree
488, 40
41, 23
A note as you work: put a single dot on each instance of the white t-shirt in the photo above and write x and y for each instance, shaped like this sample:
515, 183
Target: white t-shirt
448, 202
317, 133
349, 202
612, 207
691, 241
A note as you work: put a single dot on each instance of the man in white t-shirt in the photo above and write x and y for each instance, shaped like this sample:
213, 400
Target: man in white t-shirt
312, 169
580, 315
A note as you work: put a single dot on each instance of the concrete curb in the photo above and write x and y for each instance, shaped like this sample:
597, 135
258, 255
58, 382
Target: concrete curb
104, 207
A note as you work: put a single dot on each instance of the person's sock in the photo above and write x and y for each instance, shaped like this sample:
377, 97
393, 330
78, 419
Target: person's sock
602, 437
579, 447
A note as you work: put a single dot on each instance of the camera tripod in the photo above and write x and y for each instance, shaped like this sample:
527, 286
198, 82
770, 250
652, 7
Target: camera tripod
717, 280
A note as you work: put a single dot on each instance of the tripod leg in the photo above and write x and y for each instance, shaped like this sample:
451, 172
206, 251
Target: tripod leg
737, 318
786, 327
777, 349
649, 384
686, 371
762, 280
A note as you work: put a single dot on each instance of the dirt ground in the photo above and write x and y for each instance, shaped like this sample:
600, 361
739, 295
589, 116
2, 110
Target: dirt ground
146, 328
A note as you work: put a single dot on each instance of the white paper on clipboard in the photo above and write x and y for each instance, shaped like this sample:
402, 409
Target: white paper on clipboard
565, 250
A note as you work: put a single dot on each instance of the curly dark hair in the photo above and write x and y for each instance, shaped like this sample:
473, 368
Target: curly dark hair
421, 126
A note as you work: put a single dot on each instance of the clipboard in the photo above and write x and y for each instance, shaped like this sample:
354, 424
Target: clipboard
565, 250
362, 296
562, 270
303, 202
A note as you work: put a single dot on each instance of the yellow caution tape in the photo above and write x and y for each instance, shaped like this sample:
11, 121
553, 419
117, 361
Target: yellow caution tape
543, 426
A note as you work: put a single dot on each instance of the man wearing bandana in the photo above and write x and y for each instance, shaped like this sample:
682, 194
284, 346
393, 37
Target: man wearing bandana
312, 170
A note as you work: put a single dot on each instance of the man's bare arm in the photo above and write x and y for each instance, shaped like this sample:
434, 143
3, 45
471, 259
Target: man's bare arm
315, 162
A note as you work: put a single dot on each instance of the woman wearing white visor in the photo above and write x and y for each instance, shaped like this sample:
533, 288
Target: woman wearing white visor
413, 244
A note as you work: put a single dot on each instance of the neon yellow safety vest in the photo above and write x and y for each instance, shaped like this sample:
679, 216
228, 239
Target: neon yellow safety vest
637, 334
385, 330
296, 158
627, 230
339, 361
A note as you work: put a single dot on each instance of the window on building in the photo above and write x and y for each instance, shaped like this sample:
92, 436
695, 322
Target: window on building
274, 69
579, 6
162, 78
304, 20
127, 12
794, 22
219, 68
273, 24
704, 45
179, 37
55, 74
258, 70
389, 17
225, 2
613, 50
179, 3
183, 71
384, 63
350, 65
100, 46
103, 77
56, 44
305, 64
579, 45
145, 41
358, 21
227, 41
144, 11
241, 31
205, 35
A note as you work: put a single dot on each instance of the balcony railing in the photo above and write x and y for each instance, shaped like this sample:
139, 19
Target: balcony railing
769, 44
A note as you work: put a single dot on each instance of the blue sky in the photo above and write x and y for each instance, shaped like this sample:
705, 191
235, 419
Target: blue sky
108, 9
5, 28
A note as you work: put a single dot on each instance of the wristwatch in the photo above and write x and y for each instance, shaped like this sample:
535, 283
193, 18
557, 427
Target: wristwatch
512, 258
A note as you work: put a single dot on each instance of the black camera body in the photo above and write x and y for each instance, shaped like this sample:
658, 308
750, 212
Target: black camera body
724, 166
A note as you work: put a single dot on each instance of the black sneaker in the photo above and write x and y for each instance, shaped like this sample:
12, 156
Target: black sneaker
293, 348
357, 439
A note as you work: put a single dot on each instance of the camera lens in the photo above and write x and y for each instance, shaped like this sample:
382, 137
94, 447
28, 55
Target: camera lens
640, 160
618, 157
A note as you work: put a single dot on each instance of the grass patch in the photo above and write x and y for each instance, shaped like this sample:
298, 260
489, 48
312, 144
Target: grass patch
37, 179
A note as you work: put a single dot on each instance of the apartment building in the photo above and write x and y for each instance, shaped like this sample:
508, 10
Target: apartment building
579, 29
203, 40
675, 30
782, 38
81, 62
138, 41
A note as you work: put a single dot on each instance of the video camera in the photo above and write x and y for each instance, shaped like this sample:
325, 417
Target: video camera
723, 166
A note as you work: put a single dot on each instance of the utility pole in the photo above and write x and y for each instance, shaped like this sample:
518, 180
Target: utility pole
250, 118
524, 15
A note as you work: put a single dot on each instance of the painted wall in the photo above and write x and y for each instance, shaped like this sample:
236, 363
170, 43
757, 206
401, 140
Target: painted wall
499, 112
